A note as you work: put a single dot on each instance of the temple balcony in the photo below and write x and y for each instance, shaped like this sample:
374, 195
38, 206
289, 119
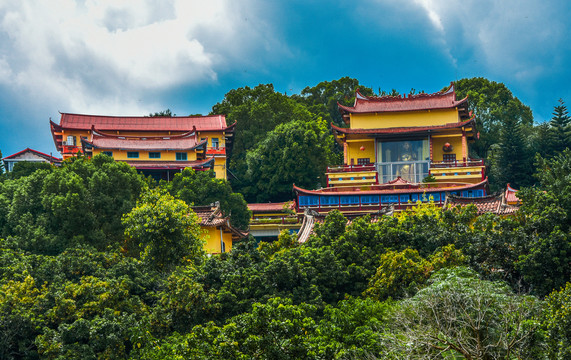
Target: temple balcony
353, 175
216, 151
468, 171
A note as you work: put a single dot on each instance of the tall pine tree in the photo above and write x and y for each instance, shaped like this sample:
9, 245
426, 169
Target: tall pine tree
514, 160
559, 128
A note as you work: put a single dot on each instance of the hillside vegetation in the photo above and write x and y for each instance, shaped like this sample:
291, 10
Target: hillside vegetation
97, 262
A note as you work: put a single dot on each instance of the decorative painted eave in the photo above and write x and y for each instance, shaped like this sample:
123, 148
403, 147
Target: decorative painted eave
182, 142
170, 165
372, 104
388, 189
404, 130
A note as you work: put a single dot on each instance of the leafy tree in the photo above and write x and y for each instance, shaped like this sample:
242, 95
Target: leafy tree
557, 323
163, 231
322, 99
202, 188
298, 151
560, 130
25, 168
514, 162
493, 104
461, 316
79, 203
164, 113
403, 273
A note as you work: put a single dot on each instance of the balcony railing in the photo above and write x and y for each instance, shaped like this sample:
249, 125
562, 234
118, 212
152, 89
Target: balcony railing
412, 171
351, 168
457, 163
216, 150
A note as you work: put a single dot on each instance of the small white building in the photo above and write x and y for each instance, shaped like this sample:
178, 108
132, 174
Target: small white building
29, 155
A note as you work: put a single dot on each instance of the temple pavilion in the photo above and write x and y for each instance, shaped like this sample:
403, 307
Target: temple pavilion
399, 150
155, 146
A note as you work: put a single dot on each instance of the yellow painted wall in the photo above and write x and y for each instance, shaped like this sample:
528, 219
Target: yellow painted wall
144, 155
214, 134
404, 119
438, 143
354, 150
220, 167
212, 238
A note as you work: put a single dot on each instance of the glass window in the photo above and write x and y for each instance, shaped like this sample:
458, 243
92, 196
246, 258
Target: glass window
181, 156
308, 200
369, 199
349, 200
133, 154
215, 143
154, 155
108, 153
404, 198
389, 199
329, 200
412, 150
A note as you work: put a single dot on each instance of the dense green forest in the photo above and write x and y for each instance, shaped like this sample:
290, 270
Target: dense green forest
97, 262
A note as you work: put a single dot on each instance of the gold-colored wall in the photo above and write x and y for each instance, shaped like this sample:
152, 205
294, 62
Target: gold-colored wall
404, 119
166, 155
212, 238
354, 150
438, 143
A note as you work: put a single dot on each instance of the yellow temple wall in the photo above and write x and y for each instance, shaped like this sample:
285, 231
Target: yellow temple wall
166, 155
438, 143
404, 119
220, 167
354, 150
212, 239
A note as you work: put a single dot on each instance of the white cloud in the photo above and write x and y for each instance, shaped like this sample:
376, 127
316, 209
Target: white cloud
107, 55
508, 37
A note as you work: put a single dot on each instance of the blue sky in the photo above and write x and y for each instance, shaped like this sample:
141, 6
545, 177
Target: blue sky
119, 57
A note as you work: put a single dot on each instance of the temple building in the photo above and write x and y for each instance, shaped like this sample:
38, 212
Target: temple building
155, 146
29, 155
219, 234
399, 150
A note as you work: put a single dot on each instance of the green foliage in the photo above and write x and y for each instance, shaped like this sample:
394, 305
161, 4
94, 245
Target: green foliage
164, 113
26, 168
496, 109
461, 316
79, 203
403, 273
559, 126
296, 152
163, 231
557, 323
322, 99
202, 188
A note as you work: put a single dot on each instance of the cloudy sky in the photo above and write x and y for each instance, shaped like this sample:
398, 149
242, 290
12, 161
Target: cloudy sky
123, 57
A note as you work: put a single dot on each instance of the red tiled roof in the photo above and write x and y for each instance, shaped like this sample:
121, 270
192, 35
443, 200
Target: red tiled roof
143, 123
388, 189
187, 141
402, 130
399, 181
491, 203
511, 195
269, 207
371, 104
212, 216
39, 153
168, 165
